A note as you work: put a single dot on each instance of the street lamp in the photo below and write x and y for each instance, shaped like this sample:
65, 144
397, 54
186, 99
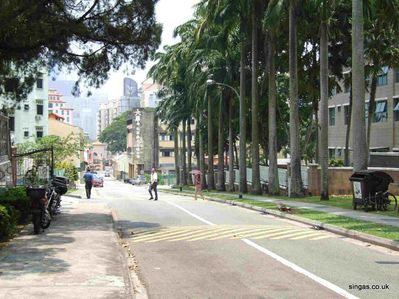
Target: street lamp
213, 82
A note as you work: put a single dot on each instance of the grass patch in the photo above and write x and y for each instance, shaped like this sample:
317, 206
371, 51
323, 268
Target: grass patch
371, 228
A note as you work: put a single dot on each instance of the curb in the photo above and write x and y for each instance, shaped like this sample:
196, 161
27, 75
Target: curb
328, 227
137, 288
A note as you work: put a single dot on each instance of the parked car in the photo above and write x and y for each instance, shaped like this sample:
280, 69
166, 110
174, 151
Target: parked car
140, 179
98, 181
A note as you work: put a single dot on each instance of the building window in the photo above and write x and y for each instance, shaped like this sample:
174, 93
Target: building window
396, 109
39, 109
26, 133
62, 112
171, 137
11, 123
331, 153
382, 80
26, 107
50, 105
331, 116
166, 154
67, 119
39, 134
380, 112
39, 83
346, 116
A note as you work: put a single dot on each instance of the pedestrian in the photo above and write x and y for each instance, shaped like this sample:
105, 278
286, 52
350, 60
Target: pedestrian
198, 185
153, 184
88, 177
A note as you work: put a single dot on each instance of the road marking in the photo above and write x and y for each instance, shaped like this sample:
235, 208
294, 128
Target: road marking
188, 212
280, 259
294, 234
296, 268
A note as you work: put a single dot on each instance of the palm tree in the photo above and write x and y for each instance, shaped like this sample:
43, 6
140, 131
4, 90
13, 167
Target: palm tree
221, 183
295, 152
256, 188
360, 150
323, 110
211, 174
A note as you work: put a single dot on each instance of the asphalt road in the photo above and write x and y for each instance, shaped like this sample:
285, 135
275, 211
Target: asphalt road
199, 249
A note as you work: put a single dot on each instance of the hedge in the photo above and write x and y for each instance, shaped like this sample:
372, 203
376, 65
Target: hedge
14, 209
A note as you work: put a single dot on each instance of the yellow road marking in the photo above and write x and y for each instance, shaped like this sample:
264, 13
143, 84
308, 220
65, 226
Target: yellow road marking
306, 236
172, 234
300, 233
225, 233
265, 231
321, 237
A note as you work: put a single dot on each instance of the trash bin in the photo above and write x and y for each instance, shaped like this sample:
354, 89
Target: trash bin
370, 188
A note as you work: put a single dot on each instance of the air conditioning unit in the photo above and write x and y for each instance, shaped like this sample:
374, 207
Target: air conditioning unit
38, 117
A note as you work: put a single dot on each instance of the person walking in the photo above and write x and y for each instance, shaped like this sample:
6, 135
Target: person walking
88, 177
198, 185
153, 184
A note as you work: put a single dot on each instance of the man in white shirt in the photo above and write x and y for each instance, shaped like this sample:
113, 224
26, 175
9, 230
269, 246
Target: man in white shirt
153, 184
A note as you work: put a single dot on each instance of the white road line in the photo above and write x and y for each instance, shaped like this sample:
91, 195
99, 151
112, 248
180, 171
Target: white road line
280, 259
191, 214
296, 268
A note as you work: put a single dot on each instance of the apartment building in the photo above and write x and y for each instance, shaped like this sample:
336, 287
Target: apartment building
385, 123
59, 107
30, 117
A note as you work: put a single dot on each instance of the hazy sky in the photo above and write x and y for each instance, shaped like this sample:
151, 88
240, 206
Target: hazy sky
171, 13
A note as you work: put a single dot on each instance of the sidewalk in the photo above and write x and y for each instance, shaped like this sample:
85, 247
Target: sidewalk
78, 256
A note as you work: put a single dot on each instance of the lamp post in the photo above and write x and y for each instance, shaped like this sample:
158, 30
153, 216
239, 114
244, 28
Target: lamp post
231, 159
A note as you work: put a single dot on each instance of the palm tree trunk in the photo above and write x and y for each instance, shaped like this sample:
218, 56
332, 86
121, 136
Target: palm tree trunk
323, 137
243, 111
256, 188
295, 166
201, 151
360, 150
221, 181
211, 174
176, 153
348, 131
183, 154
274, 184
231, 149
373, 91
189, 151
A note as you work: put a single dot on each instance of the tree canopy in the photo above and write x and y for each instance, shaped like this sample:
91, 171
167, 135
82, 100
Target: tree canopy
115, 134
93, 37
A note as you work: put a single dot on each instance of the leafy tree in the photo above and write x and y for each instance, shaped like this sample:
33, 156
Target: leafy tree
93, 37
115, 134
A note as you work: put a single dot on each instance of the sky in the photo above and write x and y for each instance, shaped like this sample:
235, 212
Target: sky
170, 13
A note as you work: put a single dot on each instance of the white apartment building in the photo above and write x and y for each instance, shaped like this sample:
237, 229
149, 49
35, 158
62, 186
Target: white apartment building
59, 107
106, 114
30, 118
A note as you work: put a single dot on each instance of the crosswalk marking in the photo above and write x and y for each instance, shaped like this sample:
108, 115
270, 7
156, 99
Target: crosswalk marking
218, 232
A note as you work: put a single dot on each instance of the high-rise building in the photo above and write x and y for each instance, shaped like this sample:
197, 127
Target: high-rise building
85, 108
149, 94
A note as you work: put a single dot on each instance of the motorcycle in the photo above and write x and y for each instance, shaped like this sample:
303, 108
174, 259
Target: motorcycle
39, 208
46, 202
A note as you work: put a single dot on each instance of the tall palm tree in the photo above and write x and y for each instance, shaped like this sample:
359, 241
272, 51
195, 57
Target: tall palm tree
360, 150
211, 173
221, 183
295, 152
256, 188
323, 110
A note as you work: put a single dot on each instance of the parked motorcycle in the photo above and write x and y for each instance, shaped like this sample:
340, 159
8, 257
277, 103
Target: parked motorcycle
46, 202
40, 216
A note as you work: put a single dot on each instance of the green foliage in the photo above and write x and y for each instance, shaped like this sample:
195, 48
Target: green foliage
336, 163
70, 170
64, 147
7, 223
20, 203
93, 37
115, 134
